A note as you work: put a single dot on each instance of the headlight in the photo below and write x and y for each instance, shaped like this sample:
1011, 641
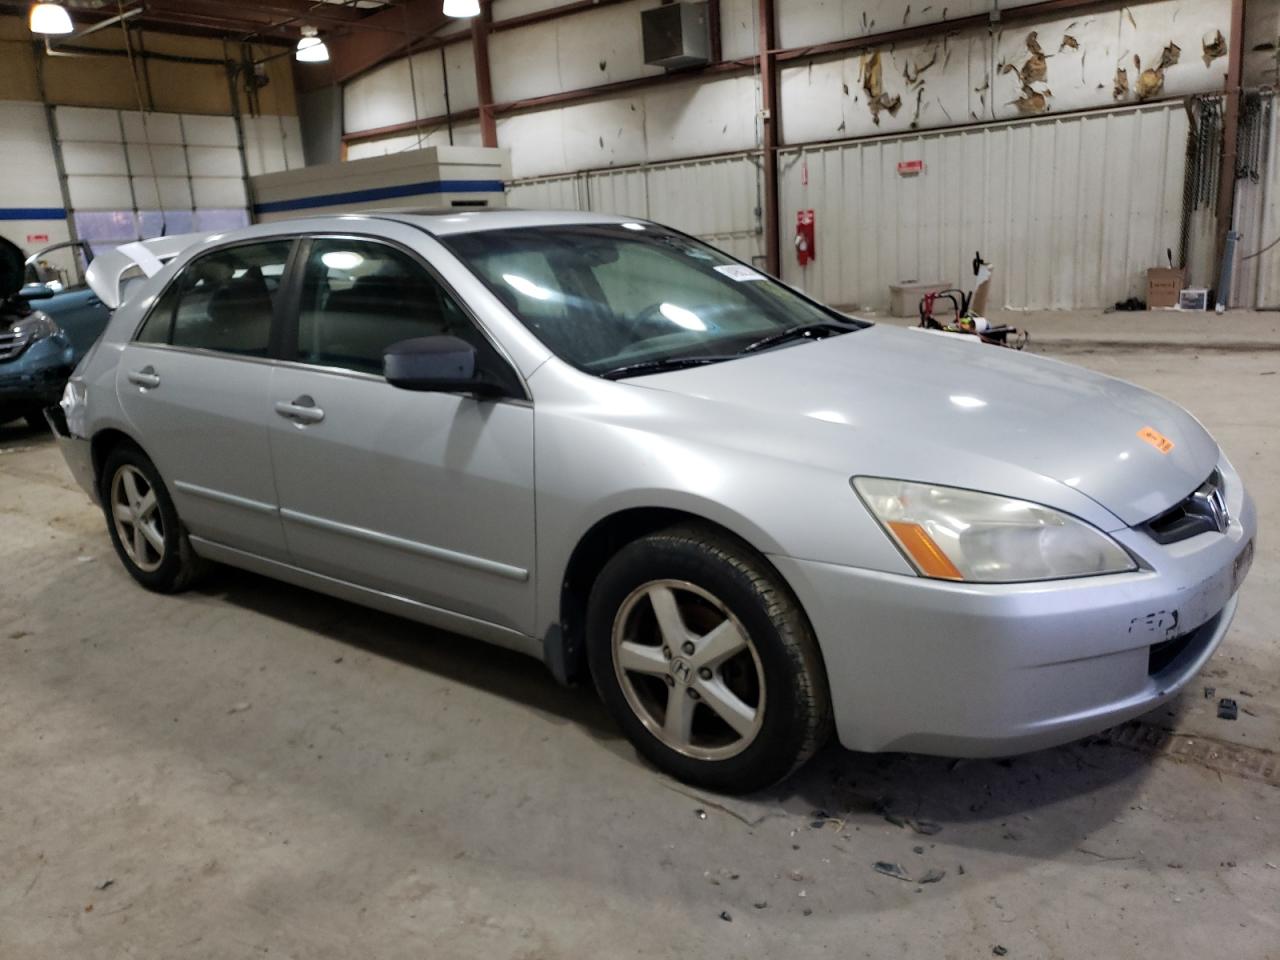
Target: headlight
38, 326
954, 534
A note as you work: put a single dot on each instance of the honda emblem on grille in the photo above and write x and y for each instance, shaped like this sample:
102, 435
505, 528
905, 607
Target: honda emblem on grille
1209, 502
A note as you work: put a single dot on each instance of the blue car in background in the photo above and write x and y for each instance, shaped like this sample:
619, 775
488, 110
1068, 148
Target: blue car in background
45, 328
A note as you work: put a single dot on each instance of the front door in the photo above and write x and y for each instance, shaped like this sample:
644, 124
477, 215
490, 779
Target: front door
426, 496
195, 385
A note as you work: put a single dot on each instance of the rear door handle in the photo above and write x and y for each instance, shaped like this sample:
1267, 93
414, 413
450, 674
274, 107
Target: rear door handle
147, 378
302, 410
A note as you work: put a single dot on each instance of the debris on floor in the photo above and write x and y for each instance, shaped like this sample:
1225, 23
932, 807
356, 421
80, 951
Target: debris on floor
239, 708
103, 885
892, 870
998, 950
1227, 709
726, 916
1210, 692
932, 875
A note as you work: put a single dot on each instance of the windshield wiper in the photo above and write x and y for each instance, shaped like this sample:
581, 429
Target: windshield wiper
803, 331
658, 366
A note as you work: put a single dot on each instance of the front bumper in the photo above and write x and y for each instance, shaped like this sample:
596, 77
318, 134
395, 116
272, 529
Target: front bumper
955, 669
35, 378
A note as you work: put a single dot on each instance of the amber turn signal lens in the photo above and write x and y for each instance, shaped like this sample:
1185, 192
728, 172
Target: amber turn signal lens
926, 554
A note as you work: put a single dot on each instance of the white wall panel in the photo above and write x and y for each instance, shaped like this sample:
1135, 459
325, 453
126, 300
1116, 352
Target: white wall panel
25, 149
1256, 281
505, 9
155, 193
1071, 211
378, 98
208, 131
214, 162
549, 193
714, 199
569, 53
460, 61
464, 135
86, 123
166, 160
94, 156
271, 144
218, 193
975, 75
739, 33
146, 127
100, 193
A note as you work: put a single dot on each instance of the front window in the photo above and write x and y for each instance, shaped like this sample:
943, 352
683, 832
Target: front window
618, 299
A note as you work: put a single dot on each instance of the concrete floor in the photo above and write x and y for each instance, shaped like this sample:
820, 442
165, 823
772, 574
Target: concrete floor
250, 769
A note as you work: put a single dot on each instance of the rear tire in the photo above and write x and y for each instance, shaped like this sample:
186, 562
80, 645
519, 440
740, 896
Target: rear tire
706, 661
145, 530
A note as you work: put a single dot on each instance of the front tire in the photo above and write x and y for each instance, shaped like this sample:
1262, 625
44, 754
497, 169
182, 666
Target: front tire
706, 661
145, 530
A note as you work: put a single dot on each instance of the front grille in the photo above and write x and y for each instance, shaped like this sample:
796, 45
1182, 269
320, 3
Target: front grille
1172, 656
1204, 511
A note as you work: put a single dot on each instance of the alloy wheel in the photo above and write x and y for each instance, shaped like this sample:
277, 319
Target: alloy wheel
689, 670
136, 515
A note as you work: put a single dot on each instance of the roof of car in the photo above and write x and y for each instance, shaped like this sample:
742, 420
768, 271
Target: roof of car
444, 222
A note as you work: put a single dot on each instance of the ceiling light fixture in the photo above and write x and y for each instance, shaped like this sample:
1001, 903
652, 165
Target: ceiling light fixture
461, 8
50, 19
311, 48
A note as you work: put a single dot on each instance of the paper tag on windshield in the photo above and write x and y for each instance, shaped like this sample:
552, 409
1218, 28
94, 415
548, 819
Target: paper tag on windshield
739, 272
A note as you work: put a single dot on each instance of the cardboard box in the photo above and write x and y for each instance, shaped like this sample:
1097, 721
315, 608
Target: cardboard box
1164, 286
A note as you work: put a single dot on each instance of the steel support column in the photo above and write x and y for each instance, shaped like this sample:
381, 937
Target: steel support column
770, 124
1230, 124
484, 79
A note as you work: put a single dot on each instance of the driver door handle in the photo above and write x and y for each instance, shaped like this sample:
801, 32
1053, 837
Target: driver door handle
146, 377
302, 410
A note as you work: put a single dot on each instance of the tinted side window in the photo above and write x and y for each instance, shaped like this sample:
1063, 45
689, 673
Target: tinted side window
359, 297
222, 301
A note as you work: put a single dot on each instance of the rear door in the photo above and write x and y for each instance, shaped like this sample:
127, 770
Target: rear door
195, 383
427, 496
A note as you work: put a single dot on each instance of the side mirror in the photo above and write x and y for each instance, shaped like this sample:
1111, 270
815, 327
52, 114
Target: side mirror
36, 291
436, 364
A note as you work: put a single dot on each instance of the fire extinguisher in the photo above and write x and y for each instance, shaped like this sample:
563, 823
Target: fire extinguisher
806, 248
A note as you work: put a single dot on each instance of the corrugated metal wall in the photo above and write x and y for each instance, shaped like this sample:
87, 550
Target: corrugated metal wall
716, 199
1256, 280
1070, 210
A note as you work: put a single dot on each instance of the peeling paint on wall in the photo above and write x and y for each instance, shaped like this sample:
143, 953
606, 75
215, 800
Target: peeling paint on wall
1214, 45
873, 85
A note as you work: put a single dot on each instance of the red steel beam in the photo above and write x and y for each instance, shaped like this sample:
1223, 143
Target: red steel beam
484, 79
770, 124
1230, 124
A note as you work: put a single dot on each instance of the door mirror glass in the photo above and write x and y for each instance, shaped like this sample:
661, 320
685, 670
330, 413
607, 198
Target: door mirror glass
440, 364
36, 291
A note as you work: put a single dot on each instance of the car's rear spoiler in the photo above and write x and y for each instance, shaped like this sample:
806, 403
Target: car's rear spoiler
111, 268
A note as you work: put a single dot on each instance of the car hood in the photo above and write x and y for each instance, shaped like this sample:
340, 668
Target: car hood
931, 407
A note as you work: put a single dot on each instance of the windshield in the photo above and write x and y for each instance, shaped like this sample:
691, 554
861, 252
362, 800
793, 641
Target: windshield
618, 299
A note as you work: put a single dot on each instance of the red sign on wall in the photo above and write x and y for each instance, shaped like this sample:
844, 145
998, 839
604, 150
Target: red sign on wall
910, 168
37, 238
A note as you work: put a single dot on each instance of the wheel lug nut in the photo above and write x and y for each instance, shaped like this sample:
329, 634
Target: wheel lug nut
693, 694
666, 653
671, 681
704, 673
687, 648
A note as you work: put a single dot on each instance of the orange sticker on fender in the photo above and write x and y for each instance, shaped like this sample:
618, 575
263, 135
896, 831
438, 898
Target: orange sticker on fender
1156, 439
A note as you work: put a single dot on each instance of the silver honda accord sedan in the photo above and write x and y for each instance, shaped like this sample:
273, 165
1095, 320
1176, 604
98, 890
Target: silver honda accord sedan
748, 518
